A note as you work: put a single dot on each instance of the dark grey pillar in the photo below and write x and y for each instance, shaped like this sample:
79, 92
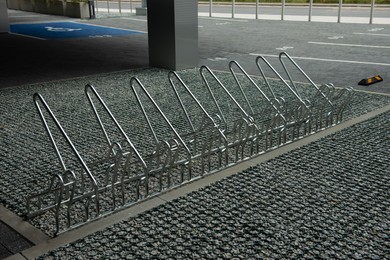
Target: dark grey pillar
141, 10
4, 23
173, 34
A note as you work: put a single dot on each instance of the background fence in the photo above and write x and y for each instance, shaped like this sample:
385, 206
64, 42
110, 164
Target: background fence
234, 9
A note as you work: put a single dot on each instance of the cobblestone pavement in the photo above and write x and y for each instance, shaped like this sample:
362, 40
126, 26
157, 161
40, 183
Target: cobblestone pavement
329, 199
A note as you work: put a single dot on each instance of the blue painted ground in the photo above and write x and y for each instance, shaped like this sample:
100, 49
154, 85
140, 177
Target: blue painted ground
63, 30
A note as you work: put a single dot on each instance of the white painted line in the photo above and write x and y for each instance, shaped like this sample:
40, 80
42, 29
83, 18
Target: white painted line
351, 45
24, 16
39, 22
134, 19
373, 34
335, 37
319, 59
220, 19
29, 36
376, 29
284, 48
217, 59
97, 25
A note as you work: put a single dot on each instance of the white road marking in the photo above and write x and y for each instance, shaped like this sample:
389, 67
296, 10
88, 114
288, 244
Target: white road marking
284, 48
134, 19
100, 36
376, 29
224, 23
29, 36
335, 37
319, 59
98, 25
61, 29
373, 34
24, 16
230, 20
351, 45
217, 59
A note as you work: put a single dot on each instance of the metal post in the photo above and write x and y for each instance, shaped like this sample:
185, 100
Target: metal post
310, 9
120, 6
233, 7
340, 7
108, 7
91, 7
211, 8
141, 10
131, 6
257, 9
283, 4
173, 34
372, 10
97, 6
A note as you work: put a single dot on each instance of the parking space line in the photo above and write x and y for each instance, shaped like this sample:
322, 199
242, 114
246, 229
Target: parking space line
373, 34
28, 36
320, 59
134, 19
350, 45
110, 27
221, 19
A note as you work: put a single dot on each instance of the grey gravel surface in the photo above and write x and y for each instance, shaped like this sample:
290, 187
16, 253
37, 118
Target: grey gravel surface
329, 199
27, 157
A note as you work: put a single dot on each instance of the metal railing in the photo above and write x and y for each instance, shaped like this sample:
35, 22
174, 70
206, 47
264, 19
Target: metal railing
283, 8
128, 6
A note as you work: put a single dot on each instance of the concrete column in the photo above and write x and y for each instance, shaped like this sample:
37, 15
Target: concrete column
4, 23
173, 34
141, 10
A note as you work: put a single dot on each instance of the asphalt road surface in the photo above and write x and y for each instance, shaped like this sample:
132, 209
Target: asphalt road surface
341, 54
329, 52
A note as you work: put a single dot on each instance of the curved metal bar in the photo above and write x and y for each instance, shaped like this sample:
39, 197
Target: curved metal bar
303, 73
293, 91
216, 134
143, 109
38, 98
270, 101
134, 80
90, 89
243, 112
239, 85
172, 74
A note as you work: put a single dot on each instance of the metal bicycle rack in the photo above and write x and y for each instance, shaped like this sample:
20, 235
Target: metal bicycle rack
197, 133
202, 133
326, 103
235, 123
